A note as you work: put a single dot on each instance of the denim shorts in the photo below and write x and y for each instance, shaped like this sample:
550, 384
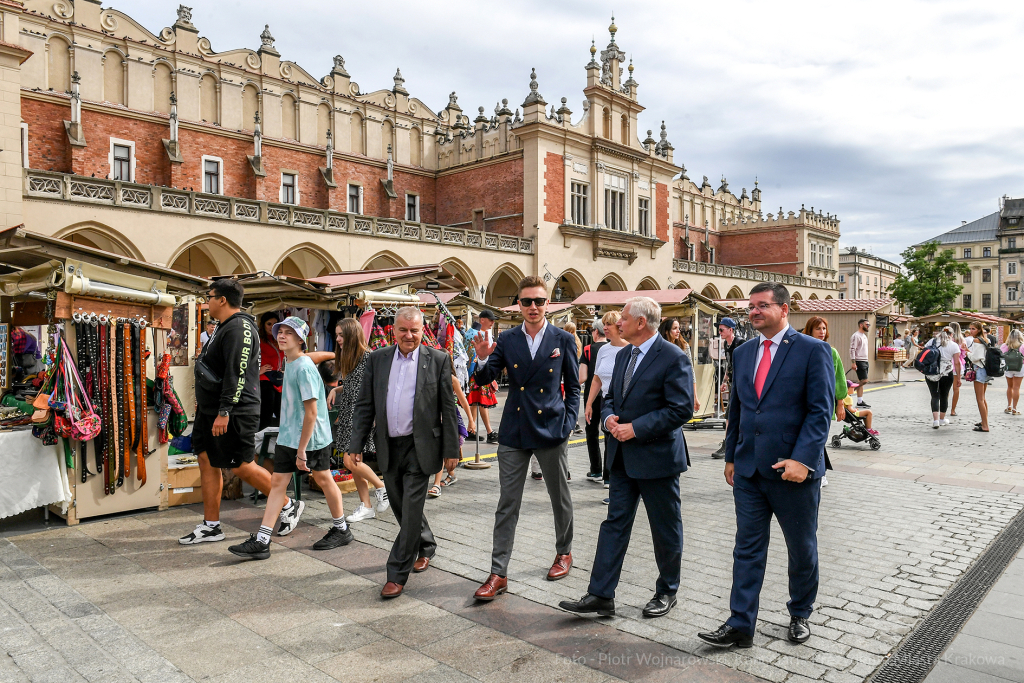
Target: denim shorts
980, 375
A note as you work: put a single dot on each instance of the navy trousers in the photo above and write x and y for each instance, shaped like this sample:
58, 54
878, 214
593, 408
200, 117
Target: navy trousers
796, 507
661, 498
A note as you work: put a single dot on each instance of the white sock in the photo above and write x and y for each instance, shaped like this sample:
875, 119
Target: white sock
340, 523
212, 525
263, 535
860, 399
287, 506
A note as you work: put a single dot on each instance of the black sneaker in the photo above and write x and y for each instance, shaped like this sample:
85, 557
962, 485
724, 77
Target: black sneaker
595, 477
720, 453
862, 405
492, 437
537, 475
251, 549
335, 538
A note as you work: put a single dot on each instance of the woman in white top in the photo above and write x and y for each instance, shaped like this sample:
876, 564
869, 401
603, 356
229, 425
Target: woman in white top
977, 345
605, 363
958, 339
1012, 353
940, 384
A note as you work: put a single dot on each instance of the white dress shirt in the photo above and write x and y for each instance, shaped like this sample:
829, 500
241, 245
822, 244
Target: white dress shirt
776, 340
644, 348
534, 342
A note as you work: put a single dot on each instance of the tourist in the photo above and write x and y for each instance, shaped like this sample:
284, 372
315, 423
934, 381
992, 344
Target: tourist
671, 331
817, 327
569, 327
450, 465
977, 349
588, 364
407, 403
941, 382
482, 398
958, 370
303, 444
228, 412
1014, 370
350, 354
727, 330
540, 360
271, 367
913, 346
859, 357
604, 365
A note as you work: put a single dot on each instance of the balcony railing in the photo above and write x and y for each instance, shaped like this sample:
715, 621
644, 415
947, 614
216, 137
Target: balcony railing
701, 268
73, 188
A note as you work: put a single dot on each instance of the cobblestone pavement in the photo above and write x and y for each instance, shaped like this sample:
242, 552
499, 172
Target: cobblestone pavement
119, 600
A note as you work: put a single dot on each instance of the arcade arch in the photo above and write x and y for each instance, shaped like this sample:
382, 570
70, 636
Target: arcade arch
100, 237
503, 287
735, 293
569, 285
711, 292
384, 261
648, 283
464, 274
211, 255
612, 283
306, 261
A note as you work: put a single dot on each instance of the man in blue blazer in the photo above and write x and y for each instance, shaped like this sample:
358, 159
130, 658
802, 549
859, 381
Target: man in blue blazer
540, 360
649, 400
779, 417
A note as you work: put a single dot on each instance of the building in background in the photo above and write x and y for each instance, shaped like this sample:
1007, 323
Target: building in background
865, 276
1011, 246
976, 244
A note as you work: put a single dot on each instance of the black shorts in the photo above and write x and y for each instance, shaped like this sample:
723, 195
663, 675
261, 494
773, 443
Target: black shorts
232, 448
862, 370
316, 461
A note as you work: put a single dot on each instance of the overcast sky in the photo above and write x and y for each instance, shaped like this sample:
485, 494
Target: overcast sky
900, 116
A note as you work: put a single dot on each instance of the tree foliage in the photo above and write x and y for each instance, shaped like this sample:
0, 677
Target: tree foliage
929, 281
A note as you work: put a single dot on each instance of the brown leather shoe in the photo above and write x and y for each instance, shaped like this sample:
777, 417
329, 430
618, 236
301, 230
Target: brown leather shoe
493, 587
391, 590
421, 564
561, 567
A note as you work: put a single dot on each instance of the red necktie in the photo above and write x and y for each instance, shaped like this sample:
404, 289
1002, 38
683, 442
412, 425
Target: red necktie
763, 367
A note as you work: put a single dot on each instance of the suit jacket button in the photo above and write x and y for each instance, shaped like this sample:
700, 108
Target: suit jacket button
542, 391
515, 365
757, 412
539, 412
757, 433
522, 388
551, 369
517, 410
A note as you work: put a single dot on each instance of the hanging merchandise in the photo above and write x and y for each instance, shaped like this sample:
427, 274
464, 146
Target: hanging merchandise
171, 418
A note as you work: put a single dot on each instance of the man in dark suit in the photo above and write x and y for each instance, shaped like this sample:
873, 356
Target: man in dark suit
540, 360
779, 416
408, 391
649, 400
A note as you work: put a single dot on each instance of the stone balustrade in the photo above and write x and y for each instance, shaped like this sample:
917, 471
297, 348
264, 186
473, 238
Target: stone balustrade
701, 268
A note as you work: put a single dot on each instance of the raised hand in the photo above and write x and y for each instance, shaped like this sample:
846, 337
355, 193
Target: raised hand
483, 348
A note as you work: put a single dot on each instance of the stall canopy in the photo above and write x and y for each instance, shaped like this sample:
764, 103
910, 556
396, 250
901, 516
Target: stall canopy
665, 297
841, 305
960, 316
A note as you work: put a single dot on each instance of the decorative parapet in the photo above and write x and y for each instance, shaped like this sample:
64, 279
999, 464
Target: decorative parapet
79, 189
684, 266
611, 243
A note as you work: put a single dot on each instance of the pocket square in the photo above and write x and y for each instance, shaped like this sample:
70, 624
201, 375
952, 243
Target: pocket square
557, 353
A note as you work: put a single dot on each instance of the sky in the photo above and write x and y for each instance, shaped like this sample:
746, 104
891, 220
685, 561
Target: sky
899, 116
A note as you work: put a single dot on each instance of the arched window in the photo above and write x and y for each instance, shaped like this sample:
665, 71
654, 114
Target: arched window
357, 133
250, 105
607, 124
208, 99
415, 143
59, 68
387, 132
162, 87
113, 77
624, 130
288, 129
323, 124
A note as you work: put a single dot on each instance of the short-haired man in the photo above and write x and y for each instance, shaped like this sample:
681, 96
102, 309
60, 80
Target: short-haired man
727, 330
227, 374
859, 356
537, 420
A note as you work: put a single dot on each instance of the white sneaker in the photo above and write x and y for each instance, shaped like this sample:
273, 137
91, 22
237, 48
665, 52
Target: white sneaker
203, 534
824, 482
943, 422
290, 518
382, 500
361, 513
935, 424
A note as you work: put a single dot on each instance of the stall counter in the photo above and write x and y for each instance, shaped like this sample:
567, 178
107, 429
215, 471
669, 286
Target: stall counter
34, 474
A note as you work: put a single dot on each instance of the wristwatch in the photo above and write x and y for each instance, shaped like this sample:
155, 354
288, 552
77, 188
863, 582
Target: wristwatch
223, 413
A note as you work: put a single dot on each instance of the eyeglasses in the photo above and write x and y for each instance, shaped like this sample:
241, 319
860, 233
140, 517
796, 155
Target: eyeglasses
761, 307
211, 295
527, 301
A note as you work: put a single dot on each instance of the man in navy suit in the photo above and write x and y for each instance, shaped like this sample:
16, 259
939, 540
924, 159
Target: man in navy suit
649, 400
779, 416
540, 360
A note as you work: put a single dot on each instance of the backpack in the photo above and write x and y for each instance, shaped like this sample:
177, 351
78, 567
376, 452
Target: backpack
994, 364
927, 362
1014, 360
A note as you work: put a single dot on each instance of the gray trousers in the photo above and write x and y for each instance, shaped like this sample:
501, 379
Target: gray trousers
513, 465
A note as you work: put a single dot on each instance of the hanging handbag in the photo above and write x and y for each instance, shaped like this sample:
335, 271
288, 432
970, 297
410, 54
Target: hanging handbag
85, 423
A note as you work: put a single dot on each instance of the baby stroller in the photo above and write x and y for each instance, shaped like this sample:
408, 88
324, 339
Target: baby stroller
856, 431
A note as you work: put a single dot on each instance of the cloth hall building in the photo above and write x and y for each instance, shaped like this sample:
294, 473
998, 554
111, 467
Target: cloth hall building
159, 147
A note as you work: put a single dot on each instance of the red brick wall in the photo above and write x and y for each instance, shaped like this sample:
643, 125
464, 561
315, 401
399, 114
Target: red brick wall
495, 188
238, 178
661, 225
697, 240
760, 250
554, 188
48, 148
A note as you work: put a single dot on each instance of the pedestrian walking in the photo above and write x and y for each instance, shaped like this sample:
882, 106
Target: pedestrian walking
958, 369
941, 373
859, 357
977, 350
1014, 370
779, 415
271, 372
588, 363
603, 368
303, 444
540, 360
727, 331
913, 347
650, 398
408, 404
350, 359
228, 411
672, 332
481, 398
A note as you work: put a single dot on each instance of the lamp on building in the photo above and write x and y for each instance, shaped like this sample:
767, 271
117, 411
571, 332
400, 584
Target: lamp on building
557, 294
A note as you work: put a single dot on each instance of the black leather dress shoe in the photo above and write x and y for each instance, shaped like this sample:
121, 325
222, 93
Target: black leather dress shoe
799, 630
659, 606
590, 604
727, 636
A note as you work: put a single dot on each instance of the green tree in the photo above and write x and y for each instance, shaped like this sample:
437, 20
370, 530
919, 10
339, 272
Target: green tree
929, 281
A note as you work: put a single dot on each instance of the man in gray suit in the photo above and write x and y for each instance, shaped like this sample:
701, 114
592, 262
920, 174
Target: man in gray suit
407, 390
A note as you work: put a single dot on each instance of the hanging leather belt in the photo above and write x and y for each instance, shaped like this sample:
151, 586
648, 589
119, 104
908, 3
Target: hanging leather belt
141, 413
97, 391
118, 377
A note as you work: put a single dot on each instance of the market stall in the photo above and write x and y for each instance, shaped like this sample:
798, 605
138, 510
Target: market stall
101, 389
1000, 327
697, 317
842, 316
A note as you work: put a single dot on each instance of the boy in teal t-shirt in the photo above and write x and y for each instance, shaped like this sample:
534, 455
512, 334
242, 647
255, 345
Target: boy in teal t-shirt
303, 443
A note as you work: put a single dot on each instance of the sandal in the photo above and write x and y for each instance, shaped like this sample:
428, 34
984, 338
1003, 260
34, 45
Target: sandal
449, 480
979, 429
953, 414
1016, 412
1009, 410
434, 491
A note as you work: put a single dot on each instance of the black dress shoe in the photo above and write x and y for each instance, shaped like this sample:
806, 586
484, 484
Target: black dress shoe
799, 630
590, 604
659, 606
727, 636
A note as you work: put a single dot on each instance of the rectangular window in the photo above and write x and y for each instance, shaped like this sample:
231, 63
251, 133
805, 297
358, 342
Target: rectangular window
986, 301
986, 252
1011, 293
1013, 221
986, 275
412, 208
1011, 242
289, 188
644, 217
615, 202
355, 196
967, 301
842, 278
24, 145
842, 295
1011, 268
830, 257
814, 254
122, 160
967, 277
212, 175
580, 203
967, 252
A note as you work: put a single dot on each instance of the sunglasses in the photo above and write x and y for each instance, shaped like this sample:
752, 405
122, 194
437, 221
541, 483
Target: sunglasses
527, 301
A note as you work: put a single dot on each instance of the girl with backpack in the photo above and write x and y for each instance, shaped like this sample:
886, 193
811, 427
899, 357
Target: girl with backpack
1014, 370
977, 348
941, 380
